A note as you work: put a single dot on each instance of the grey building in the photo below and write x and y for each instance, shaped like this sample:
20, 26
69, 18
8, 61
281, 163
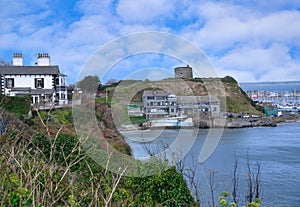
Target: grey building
159, 104
189, 105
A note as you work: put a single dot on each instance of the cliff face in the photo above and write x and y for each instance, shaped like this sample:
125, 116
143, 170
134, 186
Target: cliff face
108, 128
60, 120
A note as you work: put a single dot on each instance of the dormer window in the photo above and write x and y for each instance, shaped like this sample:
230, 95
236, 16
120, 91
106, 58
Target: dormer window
39, 82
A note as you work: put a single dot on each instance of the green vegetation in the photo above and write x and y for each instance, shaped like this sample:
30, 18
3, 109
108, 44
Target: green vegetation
167, 188
224, 203
237, 100
44, 164
20, 106
236, 105
138, 119
55, 170
228, 79
89, 83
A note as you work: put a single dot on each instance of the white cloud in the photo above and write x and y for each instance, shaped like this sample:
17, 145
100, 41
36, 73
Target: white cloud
260, 64
246, 40
239, 75
225, 28
280, 26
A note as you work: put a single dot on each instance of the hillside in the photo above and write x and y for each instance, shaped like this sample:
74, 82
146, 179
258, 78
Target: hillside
44, 164
236, 99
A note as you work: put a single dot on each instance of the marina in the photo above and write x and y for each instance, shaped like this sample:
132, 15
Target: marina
285, 96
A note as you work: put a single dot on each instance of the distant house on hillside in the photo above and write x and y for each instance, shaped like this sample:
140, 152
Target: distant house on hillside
43, 82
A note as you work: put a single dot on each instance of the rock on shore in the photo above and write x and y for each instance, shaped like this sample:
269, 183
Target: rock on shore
242, 123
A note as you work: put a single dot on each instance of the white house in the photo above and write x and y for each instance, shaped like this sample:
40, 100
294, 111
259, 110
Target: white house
43, 82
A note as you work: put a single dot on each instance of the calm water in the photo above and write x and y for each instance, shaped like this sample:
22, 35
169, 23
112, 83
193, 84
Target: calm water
277, 150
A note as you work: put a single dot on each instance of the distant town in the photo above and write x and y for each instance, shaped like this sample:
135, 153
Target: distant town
284, 96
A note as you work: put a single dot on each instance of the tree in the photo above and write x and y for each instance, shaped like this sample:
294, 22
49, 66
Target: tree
112, 81
89, 83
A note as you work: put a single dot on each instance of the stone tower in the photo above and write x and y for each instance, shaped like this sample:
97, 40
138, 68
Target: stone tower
183, 72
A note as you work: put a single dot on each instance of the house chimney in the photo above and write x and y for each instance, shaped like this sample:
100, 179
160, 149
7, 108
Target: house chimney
43, 59
18, 59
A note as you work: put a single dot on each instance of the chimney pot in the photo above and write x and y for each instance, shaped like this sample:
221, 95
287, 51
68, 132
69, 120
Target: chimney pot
17, 59
43, 59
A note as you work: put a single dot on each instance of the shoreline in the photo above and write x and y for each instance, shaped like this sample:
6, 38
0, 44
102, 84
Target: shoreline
229, 124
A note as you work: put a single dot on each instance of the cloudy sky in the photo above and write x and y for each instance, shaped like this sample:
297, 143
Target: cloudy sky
250, 40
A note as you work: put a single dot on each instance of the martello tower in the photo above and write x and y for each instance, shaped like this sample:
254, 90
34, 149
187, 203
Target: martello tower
183, 72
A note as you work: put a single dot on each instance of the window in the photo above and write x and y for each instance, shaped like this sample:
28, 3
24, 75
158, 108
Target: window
62, 96
160, 97
57, 81
63, 81
9, 82
39, 82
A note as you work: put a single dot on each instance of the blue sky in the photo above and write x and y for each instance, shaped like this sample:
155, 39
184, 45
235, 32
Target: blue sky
249, 40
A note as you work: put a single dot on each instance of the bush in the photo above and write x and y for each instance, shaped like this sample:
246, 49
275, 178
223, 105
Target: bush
167, 188
20, 106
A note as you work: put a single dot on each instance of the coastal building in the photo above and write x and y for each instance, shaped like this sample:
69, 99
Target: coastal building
159, 104
43, 82
189, 105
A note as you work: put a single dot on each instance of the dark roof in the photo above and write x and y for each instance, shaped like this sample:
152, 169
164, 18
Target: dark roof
156, 93
29, 70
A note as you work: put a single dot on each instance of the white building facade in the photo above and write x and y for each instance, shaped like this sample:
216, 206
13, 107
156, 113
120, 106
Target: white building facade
43, 82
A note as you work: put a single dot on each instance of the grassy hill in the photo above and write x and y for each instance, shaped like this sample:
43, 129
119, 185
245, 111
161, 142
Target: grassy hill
236, 99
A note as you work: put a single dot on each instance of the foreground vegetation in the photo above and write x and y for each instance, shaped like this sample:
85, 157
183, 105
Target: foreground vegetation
43, 164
